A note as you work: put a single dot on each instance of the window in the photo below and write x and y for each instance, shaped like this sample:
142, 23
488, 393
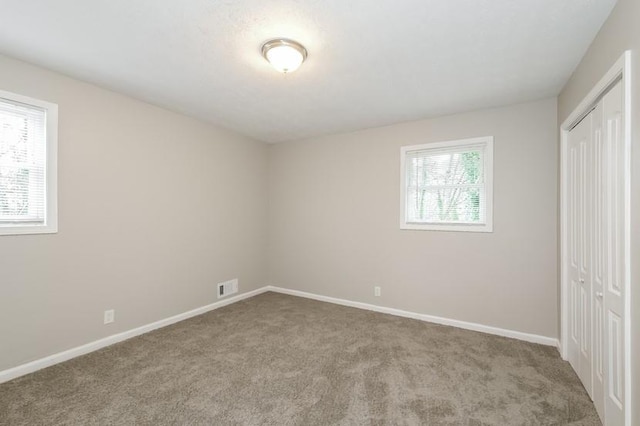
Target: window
447, 186
28, 147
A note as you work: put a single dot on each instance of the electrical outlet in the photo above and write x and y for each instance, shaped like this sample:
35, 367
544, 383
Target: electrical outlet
377, 291
109, 316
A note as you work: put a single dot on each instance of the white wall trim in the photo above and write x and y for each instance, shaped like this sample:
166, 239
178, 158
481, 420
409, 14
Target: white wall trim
59, 357
533, 338
66, 355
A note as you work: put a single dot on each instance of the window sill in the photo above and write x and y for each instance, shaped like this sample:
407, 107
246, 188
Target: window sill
446, 227
28, 229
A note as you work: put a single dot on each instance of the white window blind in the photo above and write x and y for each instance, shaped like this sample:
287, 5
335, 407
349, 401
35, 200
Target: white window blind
24, 189
447, 184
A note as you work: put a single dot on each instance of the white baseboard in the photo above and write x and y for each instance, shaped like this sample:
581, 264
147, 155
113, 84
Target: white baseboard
41, 363
534, 338
48, 361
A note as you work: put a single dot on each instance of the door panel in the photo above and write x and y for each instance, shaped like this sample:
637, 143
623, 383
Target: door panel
579, 198
599, 253
574, 223
616, 379
616, 274
575, 319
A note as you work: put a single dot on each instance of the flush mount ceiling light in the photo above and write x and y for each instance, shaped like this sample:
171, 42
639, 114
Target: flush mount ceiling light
283, 54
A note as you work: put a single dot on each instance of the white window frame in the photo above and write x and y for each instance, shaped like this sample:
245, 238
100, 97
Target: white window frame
50, 224
487, 226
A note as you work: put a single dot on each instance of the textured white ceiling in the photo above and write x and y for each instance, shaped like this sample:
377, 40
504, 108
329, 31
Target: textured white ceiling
371, 62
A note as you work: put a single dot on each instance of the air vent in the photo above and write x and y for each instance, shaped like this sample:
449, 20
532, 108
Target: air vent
228, 287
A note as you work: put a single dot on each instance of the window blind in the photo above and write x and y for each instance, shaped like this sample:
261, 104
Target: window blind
22, 163
446, 185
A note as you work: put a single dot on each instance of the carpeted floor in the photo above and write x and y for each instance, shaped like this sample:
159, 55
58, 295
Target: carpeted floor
282, 360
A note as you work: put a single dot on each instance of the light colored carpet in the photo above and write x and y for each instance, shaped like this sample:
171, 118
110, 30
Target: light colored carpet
280, 360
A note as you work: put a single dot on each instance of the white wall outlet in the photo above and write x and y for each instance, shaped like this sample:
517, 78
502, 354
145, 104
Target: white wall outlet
109, 316
228, 287
377, 291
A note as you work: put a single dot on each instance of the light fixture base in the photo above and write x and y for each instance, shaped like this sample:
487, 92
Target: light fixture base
279, 62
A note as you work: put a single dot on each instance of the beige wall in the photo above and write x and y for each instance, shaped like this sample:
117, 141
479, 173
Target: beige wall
154, 209
619, 33
334, 222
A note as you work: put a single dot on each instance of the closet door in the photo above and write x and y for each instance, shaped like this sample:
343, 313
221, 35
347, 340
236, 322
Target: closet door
599, 253
595, 254
612, 296
579, 236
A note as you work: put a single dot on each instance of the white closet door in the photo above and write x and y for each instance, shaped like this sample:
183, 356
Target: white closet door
599, 254
613, 294
579, 212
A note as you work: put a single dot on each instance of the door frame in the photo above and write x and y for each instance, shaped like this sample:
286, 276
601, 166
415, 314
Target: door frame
620, 70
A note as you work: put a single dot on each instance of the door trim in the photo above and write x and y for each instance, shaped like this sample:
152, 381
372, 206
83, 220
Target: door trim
620, 70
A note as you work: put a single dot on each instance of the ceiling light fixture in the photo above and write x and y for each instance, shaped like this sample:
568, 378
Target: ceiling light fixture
283, 54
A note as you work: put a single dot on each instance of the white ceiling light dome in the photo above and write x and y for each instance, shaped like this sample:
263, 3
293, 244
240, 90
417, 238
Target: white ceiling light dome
283, 54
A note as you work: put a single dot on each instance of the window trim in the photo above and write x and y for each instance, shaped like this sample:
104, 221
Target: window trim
487, 141
50, 225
